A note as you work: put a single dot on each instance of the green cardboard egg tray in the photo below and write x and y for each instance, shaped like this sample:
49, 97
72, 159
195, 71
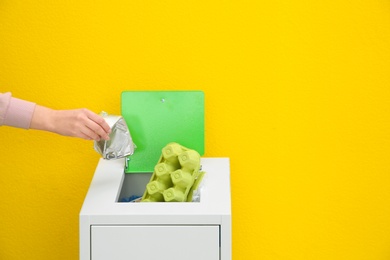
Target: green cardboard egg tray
176, 175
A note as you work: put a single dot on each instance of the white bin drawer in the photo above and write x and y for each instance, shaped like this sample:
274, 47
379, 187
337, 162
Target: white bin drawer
176, 242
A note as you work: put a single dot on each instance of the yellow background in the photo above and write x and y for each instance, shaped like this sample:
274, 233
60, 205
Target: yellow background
297, 95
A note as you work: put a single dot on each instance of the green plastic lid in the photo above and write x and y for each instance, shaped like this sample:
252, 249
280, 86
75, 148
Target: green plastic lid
156, 118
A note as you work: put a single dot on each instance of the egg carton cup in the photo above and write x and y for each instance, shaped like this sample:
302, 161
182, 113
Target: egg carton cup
176, 176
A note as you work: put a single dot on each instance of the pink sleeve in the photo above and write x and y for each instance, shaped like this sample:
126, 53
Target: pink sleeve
15, 112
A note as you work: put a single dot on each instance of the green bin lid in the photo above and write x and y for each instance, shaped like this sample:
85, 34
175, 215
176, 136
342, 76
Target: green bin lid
156, 118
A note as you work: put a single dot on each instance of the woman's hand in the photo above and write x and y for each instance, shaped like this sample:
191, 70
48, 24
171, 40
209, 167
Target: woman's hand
81, 123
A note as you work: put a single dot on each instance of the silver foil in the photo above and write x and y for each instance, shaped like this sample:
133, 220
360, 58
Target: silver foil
120, 144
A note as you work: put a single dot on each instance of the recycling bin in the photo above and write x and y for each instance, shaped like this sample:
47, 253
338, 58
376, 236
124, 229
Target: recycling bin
176, 225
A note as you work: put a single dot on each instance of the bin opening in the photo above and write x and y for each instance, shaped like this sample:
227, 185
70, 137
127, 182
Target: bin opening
134, 185
176, 178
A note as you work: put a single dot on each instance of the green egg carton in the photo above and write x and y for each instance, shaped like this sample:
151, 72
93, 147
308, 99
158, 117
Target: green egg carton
175, 177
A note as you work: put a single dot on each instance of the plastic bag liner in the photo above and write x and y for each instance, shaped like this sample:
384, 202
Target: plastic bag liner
120, 144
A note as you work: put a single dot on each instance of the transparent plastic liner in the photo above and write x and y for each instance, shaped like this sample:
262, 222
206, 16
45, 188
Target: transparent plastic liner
198, 186
120, 144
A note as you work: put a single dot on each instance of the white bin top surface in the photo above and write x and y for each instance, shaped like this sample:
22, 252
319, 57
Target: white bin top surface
102, 196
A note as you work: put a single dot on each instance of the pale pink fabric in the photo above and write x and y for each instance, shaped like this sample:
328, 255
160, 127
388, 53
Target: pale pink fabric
15, 112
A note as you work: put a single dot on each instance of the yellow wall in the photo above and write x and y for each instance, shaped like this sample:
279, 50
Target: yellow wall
297, 95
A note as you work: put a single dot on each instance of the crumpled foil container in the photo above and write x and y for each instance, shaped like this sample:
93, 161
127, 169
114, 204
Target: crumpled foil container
120, 144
